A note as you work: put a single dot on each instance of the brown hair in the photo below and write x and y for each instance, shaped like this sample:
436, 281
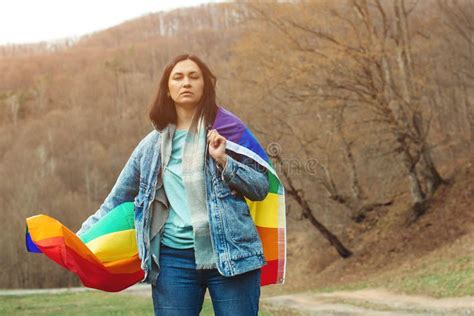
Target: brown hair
163, 111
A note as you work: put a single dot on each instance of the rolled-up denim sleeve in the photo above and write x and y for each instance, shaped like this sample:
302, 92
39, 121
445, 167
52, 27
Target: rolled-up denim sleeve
246, 176
125, 189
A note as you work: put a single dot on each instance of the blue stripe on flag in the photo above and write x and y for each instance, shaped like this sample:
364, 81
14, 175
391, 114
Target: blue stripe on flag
30, 246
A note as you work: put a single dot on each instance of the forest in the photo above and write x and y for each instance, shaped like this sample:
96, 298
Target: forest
366, 108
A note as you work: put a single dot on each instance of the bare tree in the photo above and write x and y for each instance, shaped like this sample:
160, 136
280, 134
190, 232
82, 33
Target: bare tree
367, 60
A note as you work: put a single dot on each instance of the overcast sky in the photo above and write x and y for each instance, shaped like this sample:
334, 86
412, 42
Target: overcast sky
26, 21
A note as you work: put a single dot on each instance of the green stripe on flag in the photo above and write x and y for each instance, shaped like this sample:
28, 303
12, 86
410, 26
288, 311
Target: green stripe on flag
274, 183
118, 219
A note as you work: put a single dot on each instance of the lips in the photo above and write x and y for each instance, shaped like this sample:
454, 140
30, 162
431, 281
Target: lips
186, 92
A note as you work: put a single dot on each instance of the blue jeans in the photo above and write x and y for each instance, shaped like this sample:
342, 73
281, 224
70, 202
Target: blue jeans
180, 288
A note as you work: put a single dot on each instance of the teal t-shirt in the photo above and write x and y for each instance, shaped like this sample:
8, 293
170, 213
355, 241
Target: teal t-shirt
178, 229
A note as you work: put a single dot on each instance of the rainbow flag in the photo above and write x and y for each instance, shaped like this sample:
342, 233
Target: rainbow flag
106, 256
269, 215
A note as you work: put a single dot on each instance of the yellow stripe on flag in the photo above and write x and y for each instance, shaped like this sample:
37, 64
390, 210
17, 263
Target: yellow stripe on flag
114, 246
265, 213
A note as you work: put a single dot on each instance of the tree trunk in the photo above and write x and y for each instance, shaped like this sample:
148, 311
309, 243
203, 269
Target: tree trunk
433, 178
418, 197
308, 213
333, 240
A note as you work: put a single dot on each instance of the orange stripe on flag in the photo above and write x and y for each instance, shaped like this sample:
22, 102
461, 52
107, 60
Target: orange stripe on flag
269, 238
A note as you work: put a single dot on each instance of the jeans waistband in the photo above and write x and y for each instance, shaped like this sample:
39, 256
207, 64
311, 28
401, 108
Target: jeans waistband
184, 253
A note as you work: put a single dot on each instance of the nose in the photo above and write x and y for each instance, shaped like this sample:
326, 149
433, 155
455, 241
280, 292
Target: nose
186, 82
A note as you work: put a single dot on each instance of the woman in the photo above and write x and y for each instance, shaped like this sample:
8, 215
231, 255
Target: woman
194, 231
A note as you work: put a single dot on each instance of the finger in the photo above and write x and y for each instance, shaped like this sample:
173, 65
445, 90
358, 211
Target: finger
220, 140
211, 131
216, 141
212, 140
211, 134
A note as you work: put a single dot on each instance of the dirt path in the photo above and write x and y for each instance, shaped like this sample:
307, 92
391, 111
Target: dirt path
366, 302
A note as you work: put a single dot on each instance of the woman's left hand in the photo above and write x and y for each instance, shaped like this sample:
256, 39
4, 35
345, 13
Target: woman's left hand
217, 147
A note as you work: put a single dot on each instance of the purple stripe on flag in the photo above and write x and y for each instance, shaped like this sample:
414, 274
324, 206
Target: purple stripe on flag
228, 125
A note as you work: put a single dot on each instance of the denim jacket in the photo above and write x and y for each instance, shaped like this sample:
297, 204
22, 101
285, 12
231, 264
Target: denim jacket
233, 233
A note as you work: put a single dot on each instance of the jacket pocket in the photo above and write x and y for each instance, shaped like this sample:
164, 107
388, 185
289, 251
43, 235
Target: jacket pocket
222, 190
238, 222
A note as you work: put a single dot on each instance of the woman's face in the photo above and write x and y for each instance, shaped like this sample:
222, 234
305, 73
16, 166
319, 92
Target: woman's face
186, 83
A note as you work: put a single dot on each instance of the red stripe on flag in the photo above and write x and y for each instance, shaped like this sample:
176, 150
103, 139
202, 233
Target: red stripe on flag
92, 274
